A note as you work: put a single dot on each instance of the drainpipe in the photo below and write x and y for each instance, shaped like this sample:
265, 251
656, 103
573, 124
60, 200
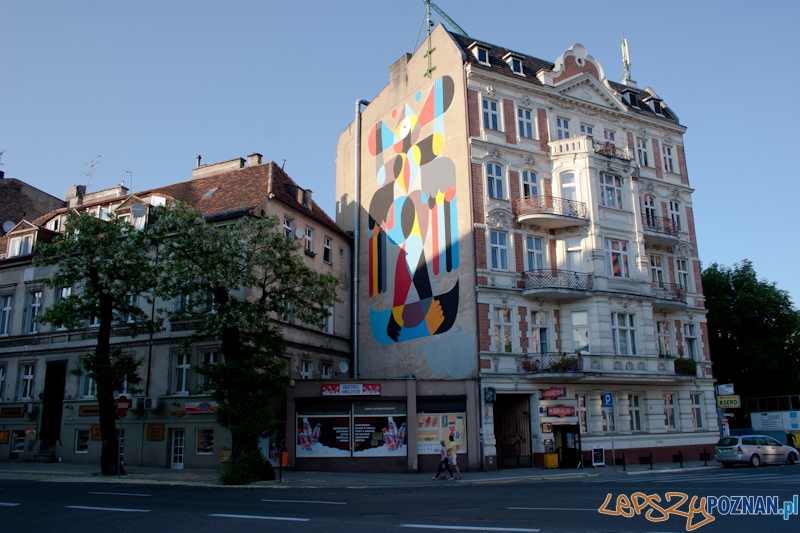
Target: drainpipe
356, 236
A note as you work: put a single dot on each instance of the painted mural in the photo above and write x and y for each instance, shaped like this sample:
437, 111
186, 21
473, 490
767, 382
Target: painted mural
413, 220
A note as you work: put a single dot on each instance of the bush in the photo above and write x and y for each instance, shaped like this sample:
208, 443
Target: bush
686, 367
252, 466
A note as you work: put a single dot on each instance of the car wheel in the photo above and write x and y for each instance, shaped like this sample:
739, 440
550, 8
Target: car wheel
727, 465
792, 459
755, 461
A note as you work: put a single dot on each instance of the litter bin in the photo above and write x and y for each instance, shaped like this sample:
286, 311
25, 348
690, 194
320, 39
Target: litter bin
551, 460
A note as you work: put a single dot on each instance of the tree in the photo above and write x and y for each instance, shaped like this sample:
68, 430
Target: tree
753, 329
107, 266
235, 278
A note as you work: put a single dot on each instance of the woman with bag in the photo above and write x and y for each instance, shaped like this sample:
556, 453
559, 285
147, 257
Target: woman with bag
443, 463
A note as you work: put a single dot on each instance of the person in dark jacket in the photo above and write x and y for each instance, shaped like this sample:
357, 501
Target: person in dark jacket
790, 438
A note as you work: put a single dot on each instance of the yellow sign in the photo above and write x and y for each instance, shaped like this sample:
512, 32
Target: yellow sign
730, 401
30, 433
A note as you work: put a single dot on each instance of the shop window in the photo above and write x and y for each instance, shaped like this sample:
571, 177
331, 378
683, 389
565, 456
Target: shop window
205, 442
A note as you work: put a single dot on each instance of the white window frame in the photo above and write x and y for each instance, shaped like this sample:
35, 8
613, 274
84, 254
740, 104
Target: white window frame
583, 419
580, 330
657, 269
62, 294
131, 299
21, 246
682, 271
635, 411
207, 357
481, 51
503, 329
6, 306
182, 374
691, 346
538, 336
93, 322
78, 440
587, 129
562, 128
309, 240
34, 310
326, 371
495, 181
666, 153
650, 210
491, 114
642, 152
26, 377
623, 332
516, 66
670, 407
534, 253
197, 442
288, 227
610, 136
327, 250
617, 251
526, 122
610, 191
88, 384
328, 326
675, 214
530, 184
609, 419
696, 406
663, 337
498, 242
306, 370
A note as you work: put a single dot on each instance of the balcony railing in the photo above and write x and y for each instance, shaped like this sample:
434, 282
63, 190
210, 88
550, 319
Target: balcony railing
562, 279
610, 149
668, 291
535, 363
659, 225
550, 205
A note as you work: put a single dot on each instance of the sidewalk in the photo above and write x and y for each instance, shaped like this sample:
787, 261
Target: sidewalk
71, 472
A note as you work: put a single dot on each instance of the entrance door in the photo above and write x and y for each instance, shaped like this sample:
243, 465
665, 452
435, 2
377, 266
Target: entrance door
513, 431
568, 445
54, 379
178, 445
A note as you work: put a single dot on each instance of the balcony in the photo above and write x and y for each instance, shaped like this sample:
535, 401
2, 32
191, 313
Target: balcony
671, 295
659, 230
550, 212
562, 284
537, 363
610, 149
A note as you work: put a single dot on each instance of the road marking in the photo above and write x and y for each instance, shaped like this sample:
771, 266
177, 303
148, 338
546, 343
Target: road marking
259, 517
8, 504
548, 509
120, 494
468, 528
114, 509
305, 501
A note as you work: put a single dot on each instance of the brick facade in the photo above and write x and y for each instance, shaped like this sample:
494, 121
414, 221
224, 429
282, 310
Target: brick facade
473, 114
657, 158
510, 123
682, 165
484, 328
544, 134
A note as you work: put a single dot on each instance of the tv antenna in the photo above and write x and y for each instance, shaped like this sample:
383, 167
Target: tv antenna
626, 61
92, 164
1, 157
129, 172
427, 20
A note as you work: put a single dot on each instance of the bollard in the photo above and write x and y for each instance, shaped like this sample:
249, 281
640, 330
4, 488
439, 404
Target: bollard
651, 460
680, 456
705, 457
624, 462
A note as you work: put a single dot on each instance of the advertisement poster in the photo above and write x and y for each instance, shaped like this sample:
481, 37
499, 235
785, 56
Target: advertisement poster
377, 436
323, 436
434, 427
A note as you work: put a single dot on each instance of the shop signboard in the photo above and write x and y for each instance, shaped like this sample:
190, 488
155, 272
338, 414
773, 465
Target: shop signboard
554, 393
201, 408
4, 437
730, 401
560, 410
155, 431
598, 455
350, 389
435, 427
12, 412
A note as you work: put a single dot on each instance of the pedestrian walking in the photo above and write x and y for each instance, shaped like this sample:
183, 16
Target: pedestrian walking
452, 457
790, 438
443, 463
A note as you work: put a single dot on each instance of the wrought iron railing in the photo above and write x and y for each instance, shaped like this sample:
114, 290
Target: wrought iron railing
610, 149
535, 363
659, 225
550, 205
561, 279
668, 291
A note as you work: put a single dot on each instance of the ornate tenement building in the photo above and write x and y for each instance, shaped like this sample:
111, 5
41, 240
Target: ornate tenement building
526, 228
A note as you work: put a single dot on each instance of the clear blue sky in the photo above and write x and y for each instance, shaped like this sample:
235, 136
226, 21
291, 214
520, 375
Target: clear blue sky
149, 85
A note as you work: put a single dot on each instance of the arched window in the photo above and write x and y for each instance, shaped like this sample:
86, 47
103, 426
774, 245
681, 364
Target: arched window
649, 209
675, 214
494, 181
529, 185
568, 186
610, 191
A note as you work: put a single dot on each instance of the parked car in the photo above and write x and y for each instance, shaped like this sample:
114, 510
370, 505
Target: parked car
754, 450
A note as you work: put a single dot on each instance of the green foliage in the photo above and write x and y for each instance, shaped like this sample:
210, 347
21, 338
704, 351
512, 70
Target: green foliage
686, 367
252, 466
753, 328
566, 364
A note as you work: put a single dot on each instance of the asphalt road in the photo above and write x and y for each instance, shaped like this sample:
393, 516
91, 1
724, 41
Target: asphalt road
547, 506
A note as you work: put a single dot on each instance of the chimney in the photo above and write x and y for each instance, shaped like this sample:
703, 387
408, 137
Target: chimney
75, 195
218, 168
2, 174
307, 199
254, 159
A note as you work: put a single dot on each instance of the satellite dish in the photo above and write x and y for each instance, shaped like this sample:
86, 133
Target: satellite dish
8, 225
138, 210
344, 367
300, 233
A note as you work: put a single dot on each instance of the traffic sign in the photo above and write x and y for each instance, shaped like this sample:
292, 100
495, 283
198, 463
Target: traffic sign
725, 389
608, 399
123, 404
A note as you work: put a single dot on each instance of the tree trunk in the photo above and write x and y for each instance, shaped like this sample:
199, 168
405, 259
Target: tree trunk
109, 456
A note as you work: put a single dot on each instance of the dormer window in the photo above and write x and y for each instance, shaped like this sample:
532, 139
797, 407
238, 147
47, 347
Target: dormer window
657, 109
633, 100
210, 192
53, 225
515, 63
483, 55
20, 246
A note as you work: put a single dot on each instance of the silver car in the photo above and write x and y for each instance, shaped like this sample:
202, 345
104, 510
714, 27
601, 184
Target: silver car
754, 450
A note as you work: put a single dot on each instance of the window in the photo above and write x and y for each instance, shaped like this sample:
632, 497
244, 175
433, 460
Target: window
529, 187
502, 330
306, 370
562, 128
574, 262
675, 214
610, 191
499, 250
525, 119
25, 389
124, 388
102, 212
690, 341
88, 385
623, 330
208, 358
18, 440
309, 244
34, 310
683, 274
641, 151
538, 335
633, 100
534, 252
288, 227
5, 314
586, 130
494, 181
130, 300
617, 258
491, 117
669, 410
568, 190
53, 225
582, 412
2, 380
657, 108
580, 331
183, 303
483, 55
94, 321
62, 294
183, 368
696, 401
327, 250
656, 269
667, 154
21, 246
609, 136
649, 210
328, 326
205, 442
663, 337
81, 441
634, 409
608, 420
516, 65
327, 371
